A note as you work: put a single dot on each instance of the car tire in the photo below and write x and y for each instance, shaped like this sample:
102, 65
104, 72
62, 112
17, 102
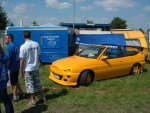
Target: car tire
86, 78
136, 69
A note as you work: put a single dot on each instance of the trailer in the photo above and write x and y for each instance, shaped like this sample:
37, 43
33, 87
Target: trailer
134, 38
53, 40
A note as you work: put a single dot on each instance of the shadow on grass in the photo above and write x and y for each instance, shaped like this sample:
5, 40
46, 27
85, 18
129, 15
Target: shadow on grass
148, 61
36, 109
145, 70
39, 108
57, 94
25, 96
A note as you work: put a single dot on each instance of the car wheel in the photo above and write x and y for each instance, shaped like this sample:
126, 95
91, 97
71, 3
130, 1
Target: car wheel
136, 69
86, 78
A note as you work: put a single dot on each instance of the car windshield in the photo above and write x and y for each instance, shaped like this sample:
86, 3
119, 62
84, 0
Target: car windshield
91, 52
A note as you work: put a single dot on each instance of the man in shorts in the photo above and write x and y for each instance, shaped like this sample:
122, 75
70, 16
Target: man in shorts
29, 67
12, 52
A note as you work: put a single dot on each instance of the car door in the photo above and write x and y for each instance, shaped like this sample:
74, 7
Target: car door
118, 63
114, 65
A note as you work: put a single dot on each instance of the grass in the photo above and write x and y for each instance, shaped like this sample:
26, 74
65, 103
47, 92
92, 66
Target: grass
129, 94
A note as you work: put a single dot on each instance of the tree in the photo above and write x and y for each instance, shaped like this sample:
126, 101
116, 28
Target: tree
141, 30
10, 23
118, 23
3, 18
34, 23
90, 22
61, 23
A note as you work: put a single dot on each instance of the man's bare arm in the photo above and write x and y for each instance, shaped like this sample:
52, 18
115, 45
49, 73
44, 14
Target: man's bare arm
22, 63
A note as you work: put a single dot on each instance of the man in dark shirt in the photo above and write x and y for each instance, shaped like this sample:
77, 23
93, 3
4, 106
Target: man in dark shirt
12, 52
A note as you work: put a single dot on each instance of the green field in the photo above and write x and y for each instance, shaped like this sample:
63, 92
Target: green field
129, 94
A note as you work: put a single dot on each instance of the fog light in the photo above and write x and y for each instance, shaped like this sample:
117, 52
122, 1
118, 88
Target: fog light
68, 76
65, 79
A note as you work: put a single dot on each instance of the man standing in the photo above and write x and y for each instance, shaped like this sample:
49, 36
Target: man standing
3, 84
29, 53
12, 52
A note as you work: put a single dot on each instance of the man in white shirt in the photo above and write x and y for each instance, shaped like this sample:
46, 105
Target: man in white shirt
29, 66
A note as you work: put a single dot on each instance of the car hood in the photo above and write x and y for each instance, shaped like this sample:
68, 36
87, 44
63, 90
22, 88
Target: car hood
73, 61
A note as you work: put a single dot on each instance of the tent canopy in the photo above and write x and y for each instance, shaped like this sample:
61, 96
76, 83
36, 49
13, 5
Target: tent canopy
101, 39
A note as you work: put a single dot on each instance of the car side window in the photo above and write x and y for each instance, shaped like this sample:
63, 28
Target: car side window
129, 51
112, 53
120, 51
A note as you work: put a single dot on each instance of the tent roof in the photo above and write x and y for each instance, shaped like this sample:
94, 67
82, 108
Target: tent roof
100, 39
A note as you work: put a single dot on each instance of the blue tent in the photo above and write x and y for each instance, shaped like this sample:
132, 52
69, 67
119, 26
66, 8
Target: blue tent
101, 39
53, 40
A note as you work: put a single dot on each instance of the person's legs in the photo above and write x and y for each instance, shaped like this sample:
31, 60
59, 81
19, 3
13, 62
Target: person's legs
14, 90
29, 81
19, 88
8, 83
20, 92
13, 81
38, 85
18, 84
33, 84
33, 101
15, 84
7, 102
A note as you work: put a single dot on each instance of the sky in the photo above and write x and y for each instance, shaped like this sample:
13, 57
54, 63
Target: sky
135, 12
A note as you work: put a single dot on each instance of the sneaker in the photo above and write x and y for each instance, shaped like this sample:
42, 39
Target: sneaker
15, 98
42, 100
32, 103
8, 84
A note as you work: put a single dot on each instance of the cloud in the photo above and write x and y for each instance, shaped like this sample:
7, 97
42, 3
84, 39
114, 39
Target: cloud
95, 20
139, 17
111, 5
44, 20
78, 1
86, 8
99, 20
27, 20
52, 3
64, 5
4, 3
22, 7
147, 8
103, 20
58, 5
19, 12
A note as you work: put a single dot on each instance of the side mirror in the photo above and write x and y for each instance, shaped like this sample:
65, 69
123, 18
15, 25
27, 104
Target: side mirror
104, 57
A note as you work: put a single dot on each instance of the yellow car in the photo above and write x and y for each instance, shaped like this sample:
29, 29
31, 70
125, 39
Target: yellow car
97, 63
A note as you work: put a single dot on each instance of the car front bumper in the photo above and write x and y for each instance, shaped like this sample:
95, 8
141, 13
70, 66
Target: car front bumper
63, 78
